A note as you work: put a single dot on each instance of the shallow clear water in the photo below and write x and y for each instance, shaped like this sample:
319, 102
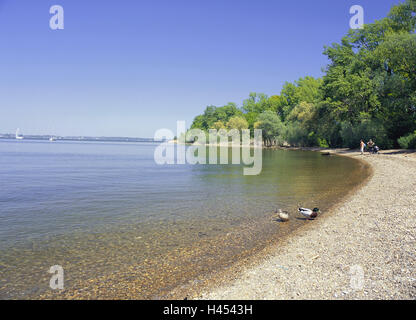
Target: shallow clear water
123, 227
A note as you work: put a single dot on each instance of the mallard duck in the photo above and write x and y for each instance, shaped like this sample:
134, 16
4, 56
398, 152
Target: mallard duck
308, 213
283, 215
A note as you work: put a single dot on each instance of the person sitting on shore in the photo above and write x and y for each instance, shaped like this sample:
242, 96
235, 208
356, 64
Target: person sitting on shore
370, 145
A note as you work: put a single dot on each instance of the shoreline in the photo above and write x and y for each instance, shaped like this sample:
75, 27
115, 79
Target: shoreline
119, 284
192, 289
303, 265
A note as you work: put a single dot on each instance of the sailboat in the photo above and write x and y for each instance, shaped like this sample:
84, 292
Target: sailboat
18, 135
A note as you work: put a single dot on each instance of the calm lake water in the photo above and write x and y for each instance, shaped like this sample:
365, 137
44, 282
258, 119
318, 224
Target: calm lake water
123, 227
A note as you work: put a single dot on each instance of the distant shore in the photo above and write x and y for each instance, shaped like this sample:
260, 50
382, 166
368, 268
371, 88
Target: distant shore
221, 144
7, 137
362, 249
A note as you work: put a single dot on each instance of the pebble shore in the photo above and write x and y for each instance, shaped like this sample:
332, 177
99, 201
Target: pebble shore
363, 249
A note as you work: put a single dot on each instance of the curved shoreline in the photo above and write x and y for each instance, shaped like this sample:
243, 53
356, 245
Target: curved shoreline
322, 261
225, 273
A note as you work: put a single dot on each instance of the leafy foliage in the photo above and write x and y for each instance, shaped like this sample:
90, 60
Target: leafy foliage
237, 122
408, 142
368, 91
366, 130
271, 126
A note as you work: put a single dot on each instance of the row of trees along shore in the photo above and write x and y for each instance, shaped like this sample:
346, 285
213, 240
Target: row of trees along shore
368, 90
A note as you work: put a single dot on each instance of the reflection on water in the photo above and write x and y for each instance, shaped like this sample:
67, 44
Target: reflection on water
123, 227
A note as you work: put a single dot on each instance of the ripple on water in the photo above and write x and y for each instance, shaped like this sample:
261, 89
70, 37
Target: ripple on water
140, 243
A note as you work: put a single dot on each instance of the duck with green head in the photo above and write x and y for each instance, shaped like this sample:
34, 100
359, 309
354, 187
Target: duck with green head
308, 213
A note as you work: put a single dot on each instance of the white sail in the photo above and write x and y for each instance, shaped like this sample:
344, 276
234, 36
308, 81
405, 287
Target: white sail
18, 136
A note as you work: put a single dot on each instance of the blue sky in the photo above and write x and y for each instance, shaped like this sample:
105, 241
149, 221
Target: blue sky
128, 68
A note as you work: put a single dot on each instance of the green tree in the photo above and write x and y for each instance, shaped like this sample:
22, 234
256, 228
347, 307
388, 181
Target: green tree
218, 125
271, 126
306, 89
237, 122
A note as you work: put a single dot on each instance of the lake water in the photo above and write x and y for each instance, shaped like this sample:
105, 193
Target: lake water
122, 226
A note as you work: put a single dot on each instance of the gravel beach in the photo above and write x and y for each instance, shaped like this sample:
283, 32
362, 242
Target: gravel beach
363, 249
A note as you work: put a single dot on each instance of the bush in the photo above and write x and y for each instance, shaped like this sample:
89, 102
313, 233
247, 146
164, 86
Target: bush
408, 142
367, 129
296, 135
322, 143
314, 140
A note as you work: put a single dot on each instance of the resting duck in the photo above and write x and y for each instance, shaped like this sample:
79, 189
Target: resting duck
283, 215
308, 213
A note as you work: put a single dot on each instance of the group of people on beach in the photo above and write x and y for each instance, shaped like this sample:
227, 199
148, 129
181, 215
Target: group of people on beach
371, 146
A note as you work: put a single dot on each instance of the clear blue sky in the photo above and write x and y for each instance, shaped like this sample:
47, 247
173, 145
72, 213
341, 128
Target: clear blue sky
128, 68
